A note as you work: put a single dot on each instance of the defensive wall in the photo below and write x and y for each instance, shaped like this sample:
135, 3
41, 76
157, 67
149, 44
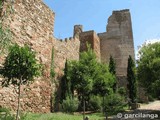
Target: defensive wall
32, 22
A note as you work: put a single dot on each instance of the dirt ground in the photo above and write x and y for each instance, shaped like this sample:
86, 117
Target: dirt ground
149, 111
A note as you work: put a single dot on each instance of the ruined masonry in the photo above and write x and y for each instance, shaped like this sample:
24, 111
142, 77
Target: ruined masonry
31, 22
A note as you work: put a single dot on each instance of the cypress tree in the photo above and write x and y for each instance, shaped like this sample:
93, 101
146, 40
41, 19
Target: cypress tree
112, 65
132, 85
112, 70
65, 83
52, 75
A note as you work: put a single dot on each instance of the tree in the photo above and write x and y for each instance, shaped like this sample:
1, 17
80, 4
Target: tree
65, 84
52, 75
148, 69
131, 77
20, 67
88, 76
103, 82
112, 65
82, 74
112, 70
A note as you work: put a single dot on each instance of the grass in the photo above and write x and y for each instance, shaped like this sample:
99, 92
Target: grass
62, 116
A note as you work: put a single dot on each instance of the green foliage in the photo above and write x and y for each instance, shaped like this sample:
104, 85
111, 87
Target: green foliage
112, 65
87, 76
8, 9
20, 67
131, 77
20, 64
1, 5
60, 116
122, 91
112, 70
86, 72
65, 83
103, 81
95, 103
114, 103
70, 104
5, 39
83, 72
148, 68
5, 114
52, 73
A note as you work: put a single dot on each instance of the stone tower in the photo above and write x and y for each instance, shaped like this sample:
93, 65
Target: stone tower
32, 23
90, 37
77, 30
118, 41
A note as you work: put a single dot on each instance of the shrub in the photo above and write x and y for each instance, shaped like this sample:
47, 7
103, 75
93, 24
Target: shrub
122, 91
95, 103
5, 114
70, 105
114, 103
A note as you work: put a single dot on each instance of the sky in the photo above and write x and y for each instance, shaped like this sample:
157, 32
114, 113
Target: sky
94, 14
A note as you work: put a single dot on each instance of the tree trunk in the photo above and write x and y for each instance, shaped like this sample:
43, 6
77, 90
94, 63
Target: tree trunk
19, 94
83, 109
103, 104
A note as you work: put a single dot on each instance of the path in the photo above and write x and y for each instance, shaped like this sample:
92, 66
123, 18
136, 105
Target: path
149, 111
151, 106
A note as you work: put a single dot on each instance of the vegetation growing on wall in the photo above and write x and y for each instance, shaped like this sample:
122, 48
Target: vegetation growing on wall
5, 39
8, 9
1, 5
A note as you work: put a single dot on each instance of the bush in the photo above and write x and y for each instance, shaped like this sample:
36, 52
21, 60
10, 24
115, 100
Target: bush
95, 103
114, 103
5, 114
70, 105
122, 91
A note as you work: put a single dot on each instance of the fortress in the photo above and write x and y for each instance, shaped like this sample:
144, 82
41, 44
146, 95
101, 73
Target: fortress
32, 22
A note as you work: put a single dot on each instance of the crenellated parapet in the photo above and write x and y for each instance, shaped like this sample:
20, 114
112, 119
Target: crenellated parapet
70, 39
32, 23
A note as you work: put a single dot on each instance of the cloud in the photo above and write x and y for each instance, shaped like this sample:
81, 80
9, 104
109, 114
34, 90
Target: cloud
149, 41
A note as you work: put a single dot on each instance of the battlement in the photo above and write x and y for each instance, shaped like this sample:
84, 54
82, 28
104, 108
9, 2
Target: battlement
66, 39
120, 11
32, 23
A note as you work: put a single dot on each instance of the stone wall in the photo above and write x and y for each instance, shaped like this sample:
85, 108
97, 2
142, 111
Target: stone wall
31, 22
65, 49
91, 38
118, 41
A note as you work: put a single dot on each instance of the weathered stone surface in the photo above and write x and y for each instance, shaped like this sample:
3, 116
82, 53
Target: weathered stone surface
32, 23
65, 49
91, 38
118, 41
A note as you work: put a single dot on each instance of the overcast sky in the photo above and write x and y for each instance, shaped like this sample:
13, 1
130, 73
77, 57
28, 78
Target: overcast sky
93, 15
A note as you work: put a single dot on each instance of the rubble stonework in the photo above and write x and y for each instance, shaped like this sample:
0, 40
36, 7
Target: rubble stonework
90, 37
32, 22
118, 40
